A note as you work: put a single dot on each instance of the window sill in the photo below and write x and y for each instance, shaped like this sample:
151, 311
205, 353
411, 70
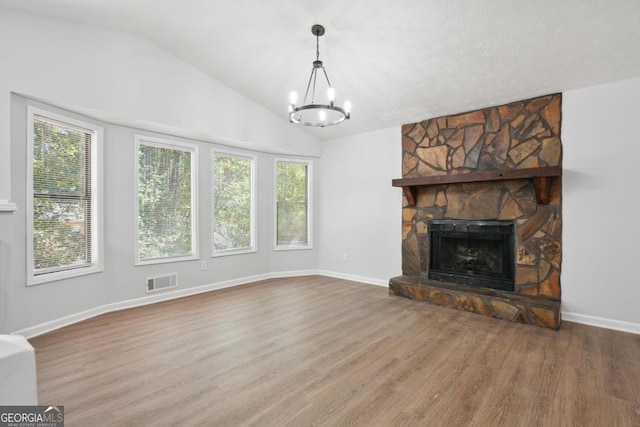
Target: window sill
62, 275
166, 260
7, 206
292, 247
230, 252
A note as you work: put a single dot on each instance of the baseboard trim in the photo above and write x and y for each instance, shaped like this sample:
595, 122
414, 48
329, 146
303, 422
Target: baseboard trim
295, 273
355, 278
601, 322
43, 328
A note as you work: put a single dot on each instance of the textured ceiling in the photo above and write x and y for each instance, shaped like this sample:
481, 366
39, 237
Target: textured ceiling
397, 61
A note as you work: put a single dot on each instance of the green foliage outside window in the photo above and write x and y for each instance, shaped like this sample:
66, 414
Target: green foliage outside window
292, 203
164, 202
61, 197
231, 203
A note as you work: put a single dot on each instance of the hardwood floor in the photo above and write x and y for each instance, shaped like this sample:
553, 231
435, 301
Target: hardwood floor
322, 351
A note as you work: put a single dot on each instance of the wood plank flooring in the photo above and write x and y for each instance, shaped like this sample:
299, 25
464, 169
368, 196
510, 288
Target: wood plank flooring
314, 351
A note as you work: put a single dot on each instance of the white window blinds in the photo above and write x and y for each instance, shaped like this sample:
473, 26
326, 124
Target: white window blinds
165, 201
233, 208
62, 197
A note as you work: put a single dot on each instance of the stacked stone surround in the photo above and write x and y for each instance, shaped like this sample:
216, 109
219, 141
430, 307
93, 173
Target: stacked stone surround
520, 135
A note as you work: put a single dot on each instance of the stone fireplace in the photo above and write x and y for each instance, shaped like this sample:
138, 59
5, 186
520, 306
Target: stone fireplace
482, 211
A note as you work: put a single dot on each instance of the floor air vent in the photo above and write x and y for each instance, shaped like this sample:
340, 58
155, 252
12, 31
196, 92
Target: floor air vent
159, 283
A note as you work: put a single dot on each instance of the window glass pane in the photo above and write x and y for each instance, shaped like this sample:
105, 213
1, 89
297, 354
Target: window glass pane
62, 199
164, 202
60, 235
232, 203
292, 223
59, 157
292, 203
292, 182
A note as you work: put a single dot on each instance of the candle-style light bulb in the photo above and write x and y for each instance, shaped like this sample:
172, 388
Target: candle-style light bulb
293, 97
331, 94
322, 115
347, 106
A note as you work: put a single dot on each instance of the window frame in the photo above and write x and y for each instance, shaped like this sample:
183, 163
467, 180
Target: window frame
309, 244
253, 222
173, 145
96, 264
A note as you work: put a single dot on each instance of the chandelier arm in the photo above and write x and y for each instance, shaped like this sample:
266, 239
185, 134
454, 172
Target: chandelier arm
326, 76
306, 93
315, 76
313, 71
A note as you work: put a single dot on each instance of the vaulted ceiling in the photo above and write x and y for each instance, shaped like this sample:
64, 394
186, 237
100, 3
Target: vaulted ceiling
397, 61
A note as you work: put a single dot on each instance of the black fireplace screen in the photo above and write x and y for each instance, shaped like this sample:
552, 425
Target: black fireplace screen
474, 253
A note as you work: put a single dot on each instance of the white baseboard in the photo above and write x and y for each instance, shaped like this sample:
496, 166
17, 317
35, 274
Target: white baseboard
42, 328
295, 273
602, 322
354, 278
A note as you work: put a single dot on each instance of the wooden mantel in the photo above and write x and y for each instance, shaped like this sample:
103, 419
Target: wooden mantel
540, 176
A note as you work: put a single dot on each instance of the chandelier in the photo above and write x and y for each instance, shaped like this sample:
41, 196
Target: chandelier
312, 113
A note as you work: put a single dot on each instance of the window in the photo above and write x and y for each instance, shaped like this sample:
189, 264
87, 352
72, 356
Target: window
293, 204
233, 204
64, 180
166, 181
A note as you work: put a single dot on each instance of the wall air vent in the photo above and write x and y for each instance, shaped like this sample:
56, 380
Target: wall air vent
159, 283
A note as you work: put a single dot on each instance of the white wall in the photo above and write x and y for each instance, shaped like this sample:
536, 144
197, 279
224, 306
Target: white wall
123, 77
360, 212
601, 237
130, 81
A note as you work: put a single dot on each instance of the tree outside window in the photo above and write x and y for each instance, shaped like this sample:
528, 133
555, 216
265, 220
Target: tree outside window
165, 201
233, 210
292, 203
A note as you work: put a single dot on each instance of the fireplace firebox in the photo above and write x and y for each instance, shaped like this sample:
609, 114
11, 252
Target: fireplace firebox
473, 253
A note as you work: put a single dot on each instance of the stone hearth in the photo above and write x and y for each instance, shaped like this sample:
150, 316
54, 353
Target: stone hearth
518, 136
